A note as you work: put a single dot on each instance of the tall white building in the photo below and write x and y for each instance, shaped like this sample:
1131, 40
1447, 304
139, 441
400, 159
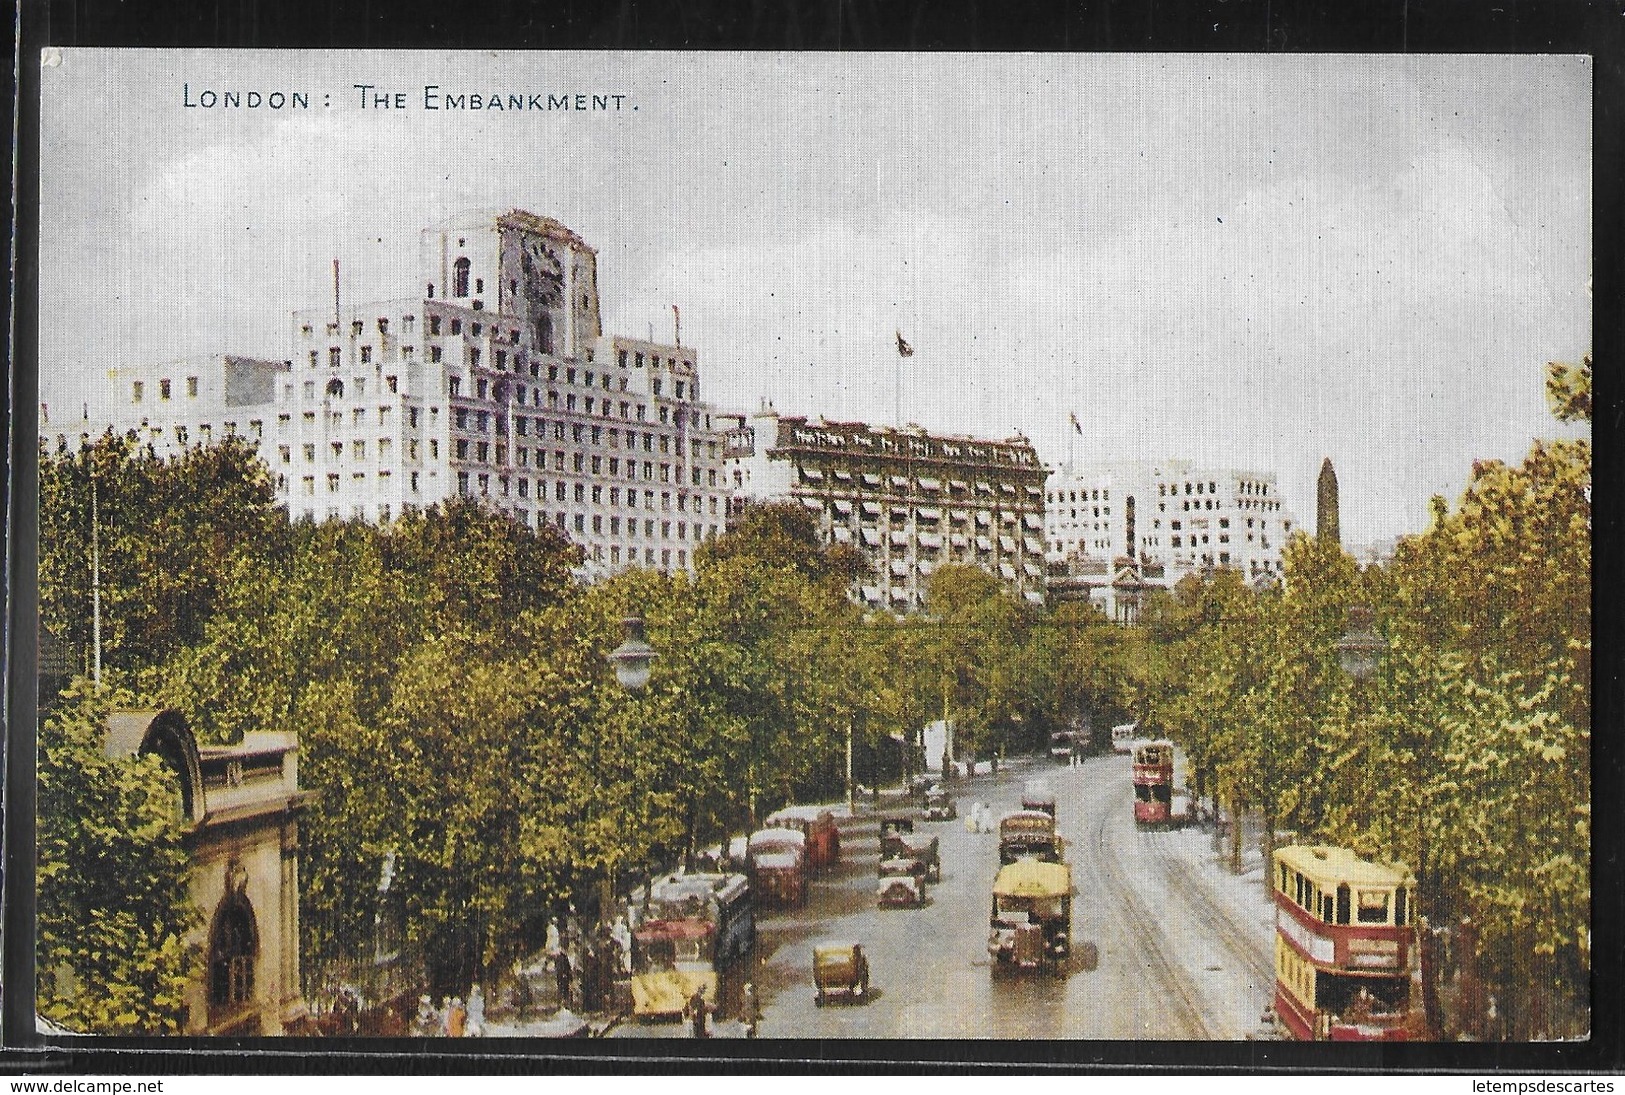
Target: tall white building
497, 383
1173, 514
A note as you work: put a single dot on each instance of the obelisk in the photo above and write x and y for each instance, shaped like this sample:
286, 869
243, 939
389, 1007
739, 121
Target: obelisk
1326, 524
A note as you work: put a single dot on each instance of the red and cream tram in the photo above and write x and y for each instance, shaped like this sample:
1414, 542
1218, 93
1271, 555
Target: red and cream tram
1154, 783
1343, 944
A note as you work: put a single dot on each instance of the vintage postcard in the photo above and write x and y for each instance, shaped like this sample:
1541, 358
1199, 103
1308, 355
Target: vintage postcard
671, 546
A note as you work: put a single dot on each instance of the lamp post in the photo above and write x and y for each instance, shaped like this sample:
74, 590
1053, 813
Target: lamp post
631, 661
633, 657
1360, 648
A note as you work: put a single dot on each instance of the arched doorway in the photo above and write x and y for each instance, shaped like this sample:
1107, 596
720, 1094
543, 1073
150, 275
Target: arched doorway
234, 946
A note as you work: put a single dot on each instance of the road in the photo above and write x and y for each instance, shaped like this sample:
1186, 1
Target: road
1183, 947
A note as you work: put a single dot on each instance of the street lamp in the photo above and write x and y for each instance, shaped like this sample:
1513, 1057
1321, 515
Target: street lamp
633, 657
1360, 647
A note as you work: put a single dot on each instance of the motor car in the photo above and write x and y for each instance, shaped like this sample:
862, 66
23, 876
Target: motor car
898, 840
1031, 922
901, 883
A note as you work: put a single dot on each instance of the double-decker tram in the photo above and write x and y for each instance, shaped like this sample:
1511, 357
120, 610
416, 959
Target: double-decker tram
1154, 783
1343, 945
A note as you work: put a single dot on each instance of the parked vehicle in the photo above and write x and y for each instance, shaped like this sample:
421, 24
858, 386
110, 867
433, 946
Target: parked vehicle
670, 960
939, 804
1031, 923
1344, 942
1036, 794
698, 924
898, 840
817, 824
777, 860
840, 969
901, 883
1029, 833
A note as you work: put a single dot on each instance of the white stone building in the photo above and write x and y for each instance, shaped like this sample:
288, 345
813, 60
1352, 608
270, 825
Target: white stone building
498, 383
1173, 514
908, 500
174, 405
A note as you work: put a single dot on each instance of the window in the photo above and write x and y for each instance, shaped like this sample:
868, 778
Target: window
233, 948
1373, 907
163, 389
456, 326
366, 355
191, 387
137, 389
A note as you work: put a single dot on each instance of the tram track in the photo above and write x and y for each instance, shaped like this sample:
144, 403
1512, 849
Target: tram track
1135, 922
1229, 929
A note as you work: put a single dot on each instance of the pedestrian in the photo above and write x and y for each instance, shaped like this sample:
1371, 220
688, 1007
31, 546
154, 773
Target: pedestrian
476, 1012
622, 934
750, 1010
428, 1020
696, 1012
456, 1018
561, 976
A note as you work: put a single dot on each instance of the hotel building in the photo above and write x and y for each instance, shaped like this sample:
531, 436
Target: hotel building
907, 500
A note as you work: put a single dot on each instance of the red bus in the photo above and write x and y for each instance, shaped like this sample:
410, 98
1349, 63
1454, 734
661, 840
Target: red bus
1154, 783
817, 824
1344, 937
777, 859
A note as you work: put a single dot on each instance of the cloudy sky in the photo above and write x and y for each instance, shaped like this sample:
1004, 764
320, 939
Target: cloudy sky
1256, 261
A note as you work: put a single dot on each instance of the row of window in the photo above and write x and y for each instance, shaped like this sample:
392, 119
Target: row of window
1062, 496
205, 432
1367, 905
138, 389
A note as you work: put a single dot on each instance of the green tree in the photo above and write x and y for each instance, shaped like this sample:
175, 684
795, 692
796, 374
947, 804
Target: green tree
114, 915
175, 535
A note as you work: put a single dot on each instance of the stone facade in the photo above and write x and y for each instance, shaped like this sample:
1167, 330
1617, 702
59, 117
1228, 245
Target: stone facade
497, 384
907, 500
1175, 515
242, 806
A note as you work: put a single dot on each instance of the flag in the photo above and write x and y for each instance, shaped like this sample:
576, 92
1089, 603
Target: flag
1073, 415
903, 348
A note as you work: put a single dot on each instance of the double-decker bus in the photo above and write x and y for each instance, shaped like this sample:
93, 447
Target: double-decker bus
817, 824
1343, 945
777, 860
698, 924
1154, 783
